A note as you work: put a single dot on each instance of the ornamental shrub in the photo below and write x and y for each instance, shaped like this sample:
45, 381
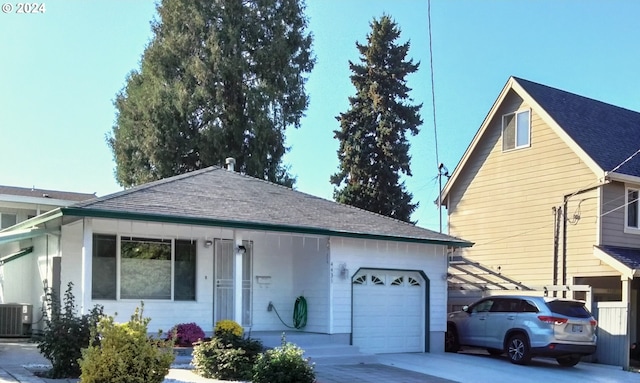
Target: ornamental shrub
228, 326
126, 354
65, 334
185, 334
226, 357
284, 364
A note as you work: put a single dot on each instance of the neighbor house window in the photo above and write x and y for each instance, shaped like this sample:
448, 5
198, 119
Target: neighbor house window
146, 268
632, 208
7, 220
516, 130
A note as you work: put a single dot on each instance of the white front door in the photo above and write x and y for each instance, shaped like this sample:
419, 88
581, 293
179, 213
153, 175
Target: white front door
223, 303
224, 272
389, 308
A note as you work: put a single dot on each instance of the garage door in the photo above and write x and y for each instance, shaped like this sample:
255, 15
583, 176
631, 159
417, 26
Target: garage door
389, 311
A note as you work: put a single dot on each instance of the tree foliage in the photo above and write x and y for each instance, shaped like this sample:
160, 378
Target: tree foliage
374, 149
220, 78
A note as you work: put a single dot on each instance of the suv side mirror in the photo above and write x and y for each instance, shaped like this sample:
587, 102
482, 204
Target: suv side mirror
465, 309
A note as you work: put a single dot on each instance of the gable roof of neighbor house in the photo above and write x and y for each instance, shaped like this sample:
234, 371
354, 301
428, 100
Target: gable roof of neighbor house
218, 197
609, 134
44, 193
606, 137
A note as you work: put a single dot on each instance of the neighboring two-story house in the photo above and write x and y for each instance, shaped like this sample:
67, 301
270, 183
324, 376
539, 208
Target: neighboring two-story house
548, 192
18, 204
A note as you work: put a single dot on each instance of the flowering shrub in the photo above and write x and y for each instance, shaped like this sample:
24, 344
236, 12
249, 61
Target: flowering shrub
227, 326
186, 334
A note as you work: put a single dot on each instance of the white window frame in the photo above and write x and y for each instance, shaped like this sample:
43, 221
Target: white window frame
119, 268
627, 228
515, 115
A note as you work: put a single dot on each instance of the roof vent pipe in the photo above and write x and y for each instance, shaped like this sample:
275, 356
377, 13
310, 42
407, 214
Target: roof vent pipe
231, 164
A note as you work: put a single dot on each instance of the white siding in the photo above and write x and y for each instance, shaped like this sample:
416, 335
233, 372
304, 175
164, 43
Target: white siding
291, 265
357, 254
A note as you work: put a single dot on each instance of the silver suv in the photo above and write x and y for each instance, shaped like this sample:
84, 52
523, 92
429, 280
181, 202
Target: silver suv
523, 327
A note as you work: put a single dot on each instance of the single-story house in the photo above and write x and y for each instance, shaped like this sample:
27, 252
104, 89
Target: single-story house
215, 244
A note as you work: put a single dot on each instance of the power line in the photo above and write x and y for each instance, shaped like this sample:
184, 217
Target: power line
435, 125
433, 91
625, 161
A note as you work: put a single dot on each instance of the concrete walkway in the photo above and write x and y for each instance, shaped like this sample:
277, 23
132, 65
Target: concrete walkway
19, 358
468, 367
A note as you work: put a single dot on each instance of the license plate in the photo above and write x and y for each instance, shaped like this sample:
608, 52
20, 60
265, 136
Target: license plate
576, 328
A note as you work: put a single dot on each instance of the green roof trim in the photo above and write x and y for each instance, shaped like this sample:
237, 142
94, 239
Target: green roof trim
11, 257
100, 213
35, 221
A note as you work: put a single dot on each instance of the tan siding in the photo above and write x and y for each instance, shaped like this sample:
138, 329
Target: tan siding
503, 202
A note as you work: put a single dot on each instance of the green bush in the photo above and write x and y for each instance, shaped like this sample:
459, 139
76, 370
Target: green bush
226, 357
65, 334
283, 364
126, 354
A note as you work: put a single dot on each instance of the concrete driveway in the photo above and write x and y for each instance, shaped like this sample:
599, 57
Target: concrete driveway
480, 367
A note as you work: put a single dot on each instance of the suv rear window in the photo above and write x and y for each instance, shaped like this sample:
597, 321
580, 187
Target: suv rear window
570, 309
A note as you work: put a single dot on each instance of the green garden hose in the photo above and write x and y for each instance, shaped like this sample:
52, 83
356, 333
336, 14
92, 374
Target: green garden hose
299, 313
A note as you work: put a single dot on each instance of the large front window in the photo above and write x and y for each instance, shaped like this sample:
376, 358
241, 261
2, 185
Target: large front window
632, 208
145, 269
516, 130
149, 268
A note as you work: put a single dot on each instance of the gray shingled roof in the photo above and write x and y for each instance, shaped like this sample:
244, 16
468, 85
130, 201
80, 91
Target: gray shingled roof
218, 194
44, 193
608, 134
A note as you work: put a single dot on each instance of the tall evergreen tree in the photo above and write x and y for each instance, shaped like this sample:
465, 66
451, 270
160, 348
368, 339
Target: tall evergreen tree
373, 145
220, 78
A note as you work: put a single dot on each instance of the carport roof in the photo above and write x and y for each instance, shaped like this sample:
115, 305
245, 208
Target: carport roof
218, 197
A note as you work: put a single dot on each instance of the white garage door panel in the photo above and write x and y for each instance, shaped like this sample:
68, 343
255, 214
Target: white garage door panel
389, 311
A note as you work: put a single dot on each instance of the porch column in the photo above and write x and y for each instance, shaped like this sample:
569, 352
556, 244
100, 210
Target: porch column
237, 280
626, 299
87, 254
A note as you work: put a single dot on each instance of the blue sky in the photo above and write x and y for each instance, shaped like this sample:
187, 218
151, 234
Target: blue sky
61, 70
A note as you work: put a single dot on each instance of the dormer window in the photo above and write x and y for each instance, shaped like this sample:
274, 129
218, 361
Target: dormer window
633, 213
516, 131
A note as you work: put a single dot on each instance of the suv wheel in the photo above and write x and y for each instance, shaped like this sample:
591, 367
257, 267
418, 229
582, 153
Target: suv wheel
451, 342
518, 349
569, 360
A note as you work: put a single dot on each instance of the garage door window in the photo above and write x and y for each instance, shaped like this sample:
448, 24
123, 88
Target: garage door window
361, 280
369, 279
